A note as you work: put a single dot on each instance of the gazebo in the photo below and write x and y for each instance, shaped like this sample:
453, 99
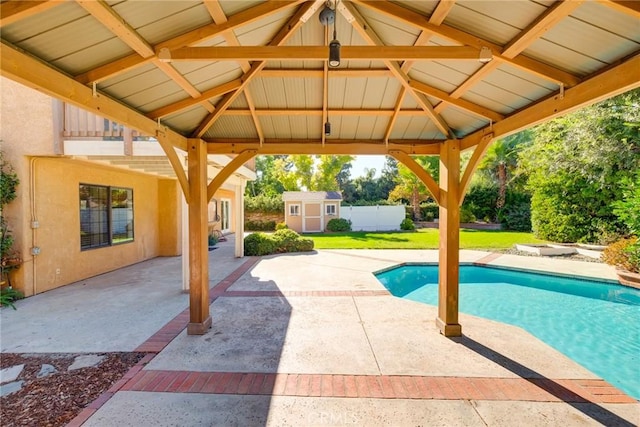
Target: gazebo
395, 78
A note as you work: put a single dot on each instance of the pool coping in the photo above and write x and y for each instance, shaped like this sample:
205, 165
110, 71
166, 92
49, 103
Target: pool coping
508, 268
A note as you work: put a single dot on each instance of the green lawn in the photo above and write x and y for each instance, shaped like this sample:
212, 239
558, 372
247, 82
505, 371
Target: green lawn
420, 239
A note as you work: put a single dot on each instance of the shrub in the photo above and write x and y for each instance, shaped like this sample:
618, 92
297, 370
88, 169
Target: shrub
282, 241
466, 215
281, 226
8, 296
628, 209
304, 244
285, 240
266, 204
481, 201
407, 224
258, 244
213, 240
430, 211
624, 254
517, 217
339, 224
260, 225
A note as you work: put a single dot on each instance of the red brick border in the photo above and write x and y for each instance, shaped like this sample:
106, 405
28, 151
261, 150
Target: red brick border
379, 386
327, 385
104, 397
488, 258
172, 329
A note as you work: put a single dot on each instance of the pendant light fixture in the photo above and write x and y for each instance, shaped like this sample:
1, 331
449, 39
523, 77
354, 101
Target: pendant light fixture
328, 17
334, 46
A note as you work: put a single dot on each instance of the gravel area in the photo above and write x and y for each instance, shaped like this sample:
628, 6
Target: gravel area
56, 399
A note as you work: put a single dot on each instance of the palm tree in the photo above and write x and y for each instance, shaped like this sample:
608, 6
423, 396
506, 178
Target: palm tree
501, 161
409, 187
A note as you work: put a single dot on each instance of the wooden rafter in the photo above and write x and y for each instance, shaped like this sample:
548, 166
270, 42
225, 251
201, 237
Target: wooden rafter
441, 11
619, 79
35, 74
320, 53
192, 37
319, 73
359, 23
228, 169
219, 17
475, 109
538, 27
104, 14
318, 112
419, 171
283, 35
395, 115
190, 102
474, 162
552, 16
315, 146
14, 11
417, 20
437, 17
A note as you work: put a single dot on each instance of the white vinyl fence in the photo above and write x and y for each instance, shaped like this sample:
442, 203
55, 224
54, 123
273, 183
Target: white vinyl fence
373, 218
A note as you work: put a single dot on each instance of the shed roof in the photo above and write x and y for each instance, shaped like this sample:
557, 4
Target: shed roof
304, 196
254, 74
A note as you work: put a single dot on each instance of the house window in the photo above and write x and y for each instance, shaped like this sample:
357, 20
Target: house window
330, 210
294, 210
106, 216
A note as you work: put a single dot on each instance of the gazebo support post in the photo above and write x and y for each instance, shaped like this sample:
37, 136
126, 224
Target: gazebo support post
449, 226
199, 318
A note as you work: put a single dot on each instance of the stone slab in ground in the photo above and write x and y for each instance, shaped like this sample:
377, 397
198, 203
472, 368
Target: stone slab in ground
10, 374
85, 361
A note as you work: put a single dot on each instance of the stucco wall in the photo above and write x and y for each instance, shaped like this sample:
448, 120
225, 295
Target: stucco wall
26, 129
169, 226
61, 261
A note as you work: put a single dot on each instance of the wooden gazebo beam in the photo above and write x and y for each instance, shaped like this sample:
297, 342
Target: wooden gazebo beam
619, 79
364, 147
195, 36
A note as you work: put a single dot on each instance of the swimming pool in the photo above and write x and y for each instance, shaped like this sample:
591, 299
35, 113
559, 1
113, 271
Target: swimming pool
597, 324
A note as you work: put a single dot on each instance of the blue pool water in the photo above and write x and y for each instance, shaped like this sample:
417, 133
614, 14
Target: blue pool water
597, 324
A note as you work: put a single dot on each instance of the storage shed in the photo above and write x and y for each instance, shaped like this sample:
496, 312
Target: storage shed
310, 211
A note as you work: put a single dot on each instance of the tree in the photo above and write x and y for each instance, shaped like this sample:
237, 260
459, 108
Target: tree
266, 183
331, 172
312, 173
576, 165
387, 181
501, 162
410, 188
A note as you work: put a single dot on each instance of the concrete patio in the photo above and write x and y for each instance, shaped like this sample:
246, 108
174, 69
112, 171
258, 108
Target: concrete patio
311, 339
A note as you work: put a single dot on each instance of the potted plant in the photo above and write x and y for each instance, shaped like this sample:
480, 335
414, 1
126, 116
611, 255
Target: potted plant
9, 258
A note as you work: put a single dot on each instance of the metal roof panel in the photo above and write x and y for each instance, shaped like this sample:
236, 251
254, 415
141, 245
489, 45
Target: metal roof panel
233, 127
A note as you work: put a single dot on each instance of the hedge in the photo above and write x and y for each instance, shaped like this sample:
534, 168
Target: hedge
282, 241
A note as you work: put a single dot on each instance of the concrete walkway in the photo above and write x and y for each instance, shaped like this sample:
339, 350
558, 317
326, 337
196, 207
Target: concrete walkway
311, 339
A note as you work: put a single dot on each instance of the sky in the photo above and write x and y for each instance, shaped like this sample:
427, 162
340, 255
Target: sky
361, 162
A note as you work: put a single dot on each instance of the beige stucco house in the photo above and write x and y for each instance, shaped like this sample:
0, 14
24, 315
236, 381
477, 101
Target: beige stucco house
93, 195
310, 211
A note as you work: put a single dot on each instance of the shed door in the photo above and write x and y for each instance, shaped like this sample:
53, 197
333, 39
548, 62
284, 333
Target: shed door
312, 217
